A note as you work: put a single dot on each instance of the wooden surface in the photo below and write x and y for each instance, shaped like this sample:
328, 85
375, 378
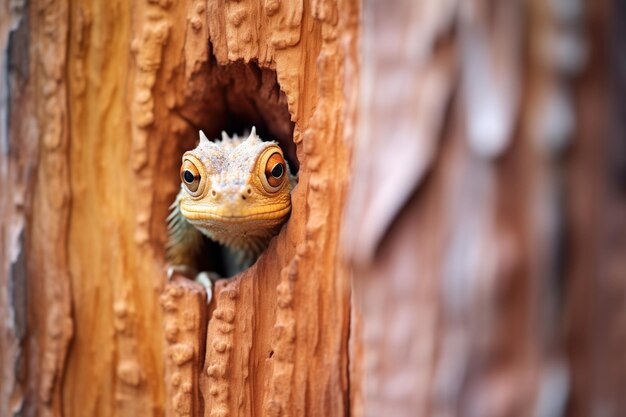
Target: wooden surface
105, 98
485, 219
456, 245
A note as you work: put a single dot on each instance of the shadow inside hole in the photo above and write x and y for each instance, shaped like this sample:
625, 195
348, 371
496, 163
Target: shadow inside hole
234, 98
214, 258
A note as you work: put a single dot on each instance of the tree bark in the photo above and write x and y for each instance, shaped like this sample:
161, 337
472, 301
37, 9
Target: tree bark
457, 238
486, 213
103, 99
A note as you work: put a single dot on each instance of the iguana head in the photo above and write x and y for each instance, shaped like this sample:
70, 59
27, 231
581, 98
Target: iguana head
237, 190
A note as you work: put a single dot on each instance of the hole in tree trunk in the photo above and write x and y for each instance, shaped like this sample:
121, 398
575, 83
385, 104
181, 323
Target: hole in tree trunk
237, 96
233, 98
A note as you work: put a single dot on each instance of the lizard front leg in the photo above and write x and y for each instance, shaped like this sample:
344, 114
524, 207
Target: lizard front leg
184, 246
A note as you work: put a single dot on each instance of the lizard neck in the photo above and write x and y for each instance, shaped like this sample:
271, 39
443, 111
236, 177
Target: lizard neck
251, 242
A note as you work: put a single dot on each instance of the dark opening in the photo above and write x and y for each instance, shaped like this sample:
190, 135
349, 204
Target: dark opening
237, 96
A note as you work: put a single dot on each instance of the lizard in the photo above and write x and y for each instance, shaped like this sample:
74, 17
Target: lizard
236, 192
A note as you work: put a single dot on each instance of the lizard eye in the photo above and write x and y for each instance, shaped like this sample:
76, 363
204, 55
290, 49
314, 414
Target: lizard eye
190, 177
274, 172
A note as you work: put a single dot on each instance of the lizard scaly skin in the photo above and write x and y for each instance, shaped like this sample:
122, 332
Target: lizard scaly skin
236, 192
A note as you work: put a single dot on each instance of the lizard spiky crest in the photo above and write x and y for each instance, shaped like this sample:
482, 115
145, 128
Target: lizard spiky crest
203, 137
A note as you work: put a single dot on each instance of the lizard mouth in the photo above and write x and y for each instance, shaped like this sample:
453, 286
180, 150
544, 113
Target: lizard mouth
228, 216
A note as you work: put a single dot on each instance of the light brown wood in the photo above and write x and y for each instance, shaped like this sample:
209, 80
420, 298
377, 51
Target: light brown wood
106, 98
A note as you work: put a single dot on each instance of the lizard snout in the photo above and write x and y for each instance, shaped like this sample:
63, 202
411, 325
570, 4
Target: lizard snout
230, 193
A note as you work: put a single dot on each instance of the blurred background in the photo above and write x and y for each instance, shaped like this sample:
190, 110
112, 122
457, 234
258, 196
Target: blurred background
487, 216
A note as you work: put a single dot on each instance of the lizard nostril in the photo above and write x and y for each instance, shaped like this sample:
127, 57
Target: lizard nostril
249, 191
243, 196
213, 193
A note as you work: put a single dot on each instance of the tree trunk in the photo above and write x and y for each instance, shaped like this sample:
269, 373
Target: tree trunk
486, 218
466, 259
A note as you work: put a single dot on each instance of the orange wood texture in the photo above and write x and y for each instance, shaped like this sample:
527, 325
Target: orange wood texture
105, 98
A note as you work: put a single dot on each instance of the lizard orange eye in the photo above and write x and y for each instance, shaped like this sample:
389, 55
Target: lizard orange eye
275, 171
190, 177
